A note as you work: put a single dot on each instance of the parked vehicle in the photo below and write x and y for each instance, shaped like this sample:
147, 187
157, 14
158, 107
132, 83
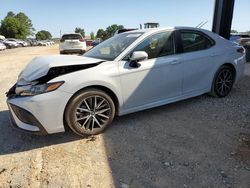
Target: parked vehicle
33, 42
2, 37
95, 43
52, 42
129, 72
20, 42
48, 42
2, 46
9, 44
42, 43
240, 39
88, 42
72, 43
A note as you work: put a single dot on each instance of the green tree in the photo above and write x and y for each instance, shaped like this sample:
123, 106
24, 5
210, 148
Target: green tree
92, 36
112, 29
234, 31
10, 14
80, 30
10, 28
43, 35
101, 34
26, 23
16, 26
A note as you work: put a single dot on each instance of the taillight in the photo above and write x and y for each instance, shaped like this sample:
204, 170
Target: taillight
81, 40
241, 50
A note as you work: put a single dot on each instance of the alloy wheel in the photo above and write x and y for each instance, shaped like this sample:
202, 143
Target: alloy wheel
92, 113
224, 82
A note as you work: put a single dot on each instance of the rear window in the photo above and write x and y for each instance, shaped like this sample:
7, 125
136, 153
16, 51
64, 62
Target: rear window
71, 37
193, 41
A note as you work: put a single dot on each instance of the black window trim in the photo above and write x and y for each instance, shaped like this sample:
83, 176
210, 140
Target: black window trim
178, 33
125, 57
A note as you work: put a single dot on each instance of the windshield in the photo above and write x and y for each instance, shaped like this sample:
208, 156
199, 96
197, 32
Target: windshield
113, 47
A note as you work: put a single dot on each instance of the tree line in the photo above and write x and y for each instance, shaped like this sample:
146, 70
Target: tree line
20, 26
101, 33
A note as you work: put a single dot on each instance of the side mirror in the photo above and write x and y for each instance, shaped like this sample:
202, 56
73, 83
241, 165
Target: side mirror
137, 56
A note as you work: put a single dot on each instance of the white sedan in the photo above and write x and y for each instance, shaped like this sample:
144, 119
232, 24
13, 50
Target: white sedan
129, 72
2, 46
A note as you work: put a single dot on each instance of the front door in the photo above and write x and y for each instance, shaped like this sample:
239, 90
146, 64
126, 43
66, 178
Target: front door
157, 78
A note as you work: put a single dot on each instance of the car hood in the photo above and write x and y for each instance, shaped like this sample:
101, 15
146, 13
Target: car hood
40, 66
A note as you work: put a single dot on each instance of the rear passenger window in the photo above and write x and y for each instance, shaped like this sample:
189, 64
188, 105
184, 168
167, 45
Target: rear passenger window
192, 41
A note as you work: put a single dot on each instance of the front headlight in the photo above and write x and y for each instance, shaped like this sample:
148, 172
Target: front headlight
39, 89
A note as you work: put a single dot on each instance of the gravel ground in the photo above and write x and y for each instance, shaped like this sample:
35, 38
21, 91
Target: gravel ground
199, 142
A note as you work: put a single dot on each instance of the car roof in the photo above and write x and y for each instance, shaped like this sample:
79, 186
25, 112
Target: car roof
152, 30
71, 34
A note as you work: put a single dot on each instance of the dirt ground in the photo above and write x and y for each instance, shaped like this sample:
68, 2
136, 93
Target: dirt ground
199, 142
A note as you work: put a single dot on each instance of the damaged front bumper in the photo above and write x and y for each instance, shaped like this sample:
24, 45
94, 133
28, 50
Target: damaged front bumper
23, 120
40, 114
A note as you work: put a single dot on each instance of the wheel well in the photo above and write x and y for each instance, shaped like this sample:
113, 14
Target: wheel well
232, 67
103, 88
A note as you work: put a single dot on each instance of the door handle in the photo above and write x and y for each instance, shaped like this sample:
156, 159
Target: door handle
174, 62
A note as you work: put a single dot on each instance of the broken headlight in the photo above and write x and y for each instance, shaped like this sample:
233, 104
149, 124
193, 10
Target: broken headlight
30, 90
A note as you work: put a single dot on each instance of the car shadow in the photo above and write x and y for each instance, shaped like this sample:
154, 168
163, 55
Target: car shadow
183, 144
176, 145
14, 141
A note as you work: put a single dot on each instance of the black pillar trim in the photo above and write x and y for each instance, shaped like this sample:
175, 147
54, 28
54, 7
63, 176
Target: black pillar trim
223, 16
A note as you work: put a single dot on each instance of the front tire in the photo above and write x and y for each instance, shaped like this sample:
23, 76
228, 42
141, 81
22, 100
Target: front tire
223, 82
90, 112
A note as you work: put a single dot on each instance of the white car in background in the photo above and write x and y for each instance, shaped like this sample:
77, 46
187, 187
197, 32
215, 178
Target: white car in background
42, 43
72, 43
129, 72
2, 46
20, 42
9, 44
50, 42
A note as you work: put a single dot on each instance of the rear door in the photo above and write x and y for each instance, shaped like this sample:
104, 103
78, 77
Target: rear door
197, 60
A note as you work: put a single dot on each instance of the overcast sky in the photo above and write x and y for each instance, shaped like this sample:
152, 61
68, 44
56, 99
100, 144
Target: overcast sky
56, 15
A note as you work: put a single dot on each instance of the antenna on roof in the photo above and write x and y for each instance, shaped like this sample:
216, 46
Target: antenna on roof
200, 25
204, 23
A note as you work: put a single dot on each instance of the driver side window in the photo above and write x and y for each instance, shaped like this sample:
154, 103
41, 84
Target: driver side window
157, 45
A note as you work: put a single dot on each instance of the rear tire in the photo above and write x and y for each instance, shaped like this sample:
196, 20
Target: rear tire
223, 82
89, 112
